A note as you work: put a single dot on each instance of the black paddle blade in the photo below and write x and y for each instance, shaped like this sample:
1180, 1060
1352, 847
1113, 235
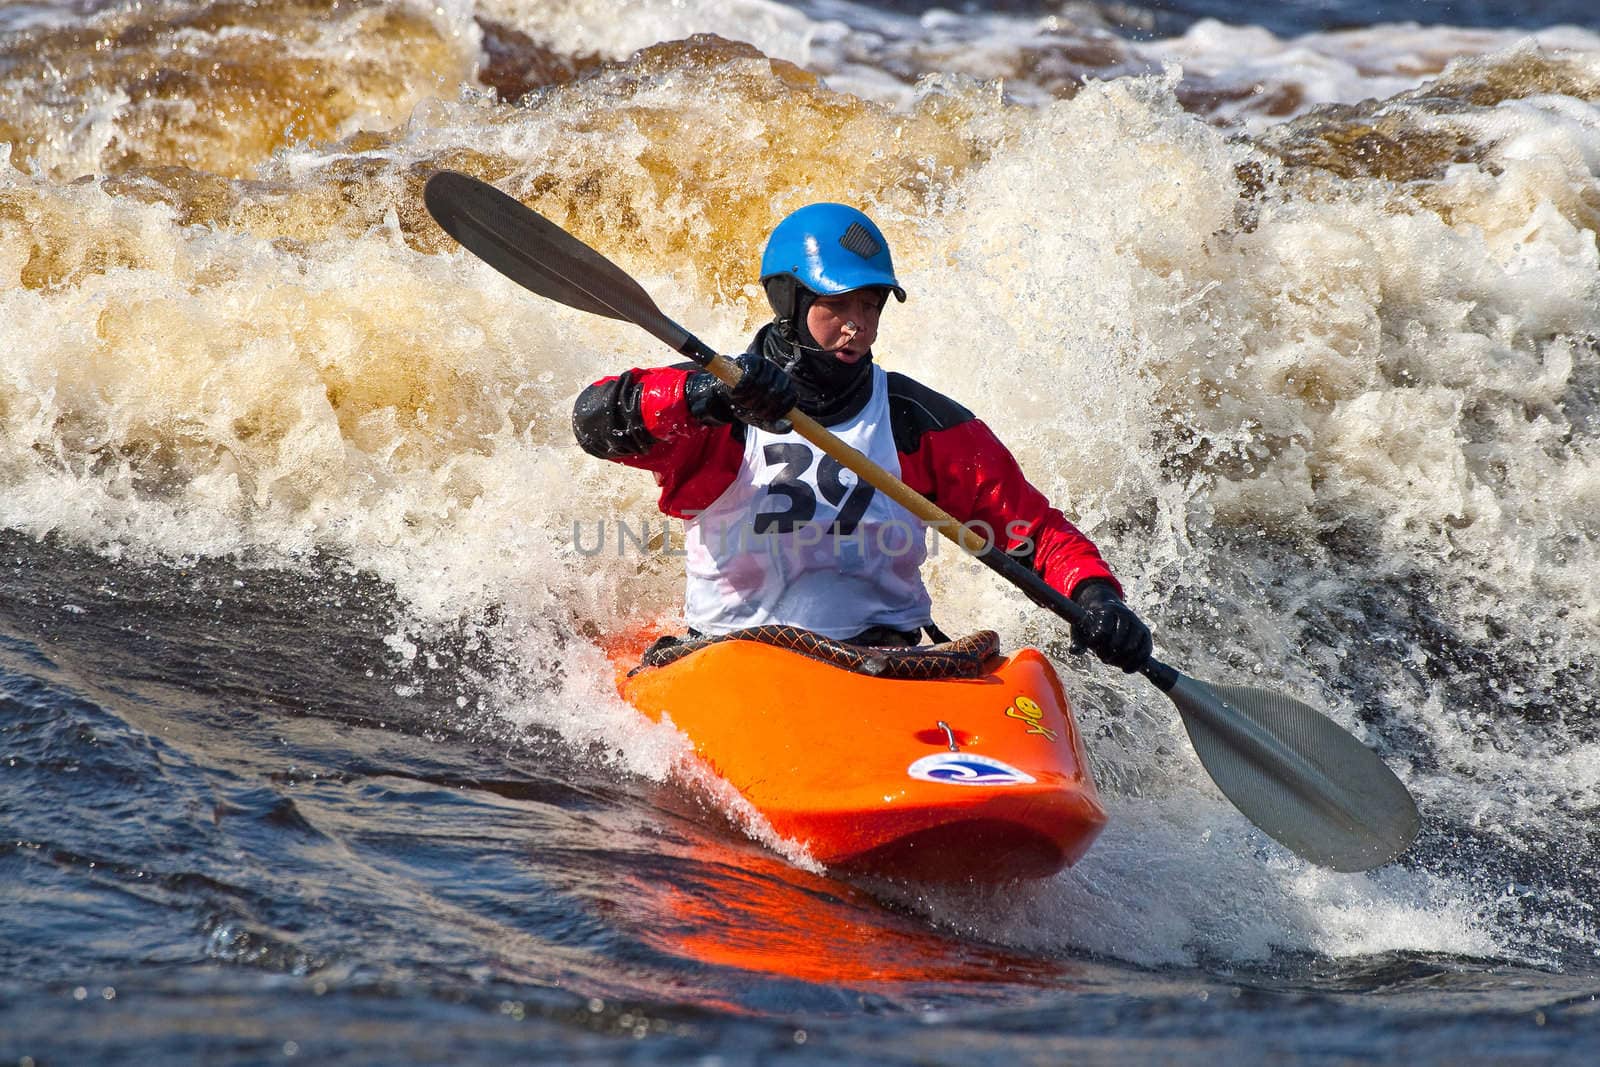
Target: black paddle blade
1297, 775
539, 255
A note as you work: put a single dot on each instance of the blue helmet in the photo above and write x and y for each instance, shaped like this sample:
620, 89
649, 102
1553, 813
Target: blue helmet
826, 249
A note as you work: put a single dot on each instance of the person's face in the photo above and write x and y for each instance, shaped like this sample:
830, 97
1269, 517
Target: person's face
846, 325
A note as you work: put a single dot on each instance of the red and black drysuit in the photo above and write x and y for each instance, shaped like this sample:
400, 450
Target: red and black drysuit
641, 418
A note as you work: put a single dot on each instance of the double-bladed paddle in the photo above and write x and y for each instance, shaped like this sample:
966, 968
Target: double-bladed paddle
1291, 770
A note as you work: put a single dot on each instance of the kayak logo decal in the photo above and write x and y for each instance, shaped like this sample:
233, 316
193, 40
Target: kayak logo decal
966, 768
1029, 712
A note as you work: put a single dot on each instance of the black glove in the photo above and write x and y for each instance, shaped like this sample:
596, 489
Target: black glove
763, 396
1110, 629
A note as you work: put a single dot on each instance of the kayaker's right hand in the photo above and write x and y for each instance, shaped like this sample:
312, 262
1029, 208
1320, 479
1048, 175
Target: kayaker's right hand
1109, 629
763, 396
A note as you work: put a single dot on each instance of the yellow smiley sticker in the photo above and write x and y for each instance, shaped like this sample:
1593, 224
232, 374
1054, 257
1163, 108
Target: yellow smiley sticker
1028, 711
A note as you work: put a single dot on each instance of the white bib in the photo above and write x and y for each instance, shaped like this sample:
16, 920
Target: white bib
798, 540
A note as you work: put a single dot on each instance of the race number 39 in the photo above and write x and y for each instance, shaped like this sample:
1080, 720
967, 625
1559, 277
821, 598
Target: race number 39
799, 494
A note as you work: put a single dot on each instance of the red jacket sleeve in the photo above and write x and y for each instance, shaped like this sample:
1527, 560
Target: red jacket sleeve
967, 471
640, 419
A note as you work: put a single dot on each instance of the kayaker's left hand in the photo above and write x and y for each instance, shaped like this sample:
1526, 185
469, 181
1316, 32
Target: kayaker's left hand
1110, 629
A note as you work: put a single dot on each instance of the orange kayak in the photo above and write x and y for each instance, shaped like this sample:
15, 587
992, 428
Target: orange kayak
879, 760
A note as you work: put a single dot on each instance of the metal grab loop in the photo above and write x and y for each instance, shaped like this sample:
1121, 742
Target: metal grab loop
950, 734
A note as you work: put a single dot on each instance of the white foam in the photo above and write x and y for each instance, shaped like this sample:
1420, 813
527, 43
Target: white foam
48, 14
598, 28
1243, 75
1187, 882
1350, 363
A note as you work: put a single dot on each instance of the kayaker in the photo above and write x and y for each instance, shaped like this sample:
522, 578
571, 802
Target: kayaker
780, 533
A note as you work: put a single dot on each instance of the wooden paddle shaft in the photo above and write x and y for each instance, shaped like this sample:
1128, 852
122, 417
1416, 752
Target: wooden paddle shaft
988, 551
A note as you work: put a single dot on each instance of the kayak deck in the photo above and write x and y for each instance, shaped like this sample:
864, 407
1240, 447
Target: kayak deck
980, 778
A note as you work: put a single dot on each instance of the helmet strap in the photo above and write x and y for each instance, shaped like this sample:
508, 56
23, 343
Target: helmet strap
825, 385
